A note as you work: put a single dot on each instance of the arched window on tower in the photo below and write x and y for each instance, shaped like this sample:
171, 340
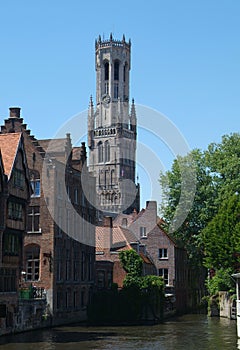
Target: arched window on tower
107, 151
116, 70
106, 71
100, 152
106, 78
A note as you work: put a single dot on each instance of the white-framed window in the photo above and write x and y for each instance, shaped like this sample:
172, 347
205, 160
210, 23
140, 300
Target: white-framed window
164, 274
143, 231
163, 253
32, 263
33, 219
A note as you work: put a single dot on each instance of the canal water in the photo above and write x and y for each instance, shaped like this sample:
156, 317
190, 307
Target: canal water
188, 332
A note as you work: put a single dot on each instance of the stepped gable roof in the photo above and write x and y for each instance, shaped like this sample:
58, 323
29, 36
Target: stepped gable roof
9, 144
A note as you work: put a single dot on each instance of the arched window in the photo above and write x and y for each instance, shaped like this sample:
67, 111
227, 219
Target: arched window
32, 258
106, 71
107, 151
100, 152
116, 70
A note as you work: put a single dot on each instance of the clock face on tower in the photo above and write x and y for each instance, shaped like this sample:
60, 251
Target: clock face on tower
106, 100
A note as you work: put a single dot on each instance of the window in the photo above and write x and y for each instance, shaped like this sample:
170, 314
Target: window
100, 279
107, 151
35, 188
18, 178
100, 152
163, 253
82, 298
106, 88
116, 70
106, 71
11, 244
8, 280
59, 264
115, 91
143, 231
33, 218
32, 255
76, 196
68, 265
83, 266
15, 211
164, 274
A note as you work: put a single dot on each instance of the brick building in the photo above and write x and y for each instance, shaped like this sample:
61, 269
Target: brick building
14, 197
110, 240
59, 246
170, 261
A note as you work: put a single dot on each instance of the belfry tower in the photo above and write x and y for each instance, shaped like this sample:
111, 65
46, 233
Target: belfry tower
112, 130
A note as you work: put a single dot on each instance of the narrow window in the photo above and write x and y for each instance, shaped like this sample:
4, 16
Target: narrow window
100, 152
32, 255
116, 70
115, 92
164, 274
33, 219
76, 200
106, 71
107, 151
143, 231
18, 178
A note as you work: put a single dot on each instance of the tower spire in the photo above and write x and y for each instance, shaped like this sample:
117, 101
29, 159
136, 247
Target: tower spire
90, 122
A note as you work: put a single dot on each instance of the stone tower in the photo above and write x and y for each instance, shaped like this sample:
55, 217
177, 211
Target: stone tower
112, 130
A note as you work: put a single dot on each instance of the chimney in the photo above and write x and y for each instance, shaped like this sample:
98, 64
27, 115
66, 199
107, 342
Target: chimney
14, 112
108, 232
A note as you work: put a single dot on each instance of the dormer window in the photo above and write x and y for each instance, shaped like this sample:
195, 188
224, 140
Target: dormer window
143, 232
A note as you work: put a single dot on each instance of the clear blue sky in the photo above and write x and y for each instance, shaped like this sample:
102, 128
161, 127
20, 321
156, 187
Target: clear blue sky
185, 60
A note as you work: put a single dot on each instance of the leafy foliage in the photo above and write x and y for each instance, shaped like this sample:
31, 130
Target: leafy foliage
131, 262
222, 281
211, 230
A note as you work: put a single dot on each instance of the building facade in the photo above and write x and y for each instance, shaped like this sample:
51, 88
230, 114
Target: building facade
59, 244
14, 198
112, 130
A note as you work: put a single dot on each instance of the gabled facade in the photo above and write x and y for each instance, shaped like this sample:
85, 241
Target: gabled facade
14, 197
110, 240
59, 249
170, 261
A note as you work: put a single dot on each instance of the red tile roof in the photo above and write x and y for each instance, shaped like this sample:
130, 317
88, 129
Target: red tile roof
9, 145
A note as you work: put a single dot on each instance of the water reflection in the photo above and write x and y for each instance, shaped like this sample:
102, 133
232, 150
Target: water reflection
189, 332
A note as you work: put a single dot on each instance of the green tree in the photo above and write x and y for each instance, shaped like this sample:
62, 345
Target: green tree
221, 237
